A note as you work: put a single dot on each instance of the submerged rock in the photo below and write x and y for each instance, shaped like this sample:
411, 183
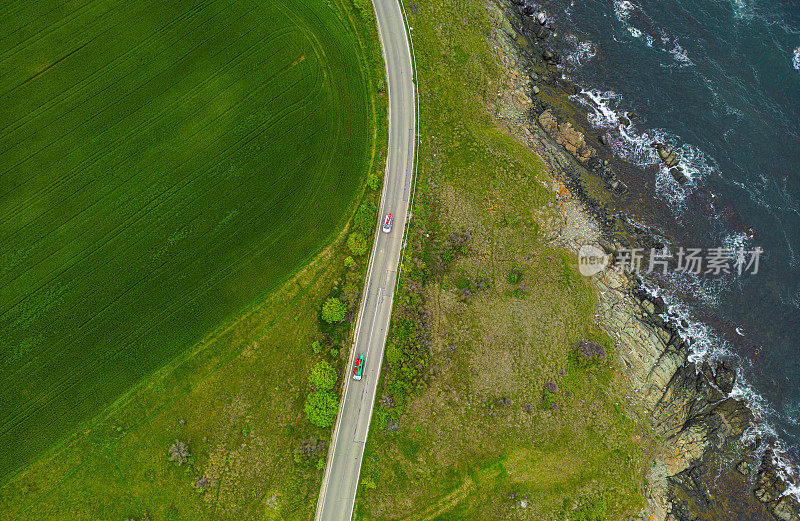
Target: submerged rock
568, 87
769, 487
541, 31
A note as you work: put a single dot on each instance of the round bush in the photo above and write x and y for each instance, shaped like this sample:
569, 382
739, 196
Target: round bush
321, 408
357, 243
333, 310
322, 376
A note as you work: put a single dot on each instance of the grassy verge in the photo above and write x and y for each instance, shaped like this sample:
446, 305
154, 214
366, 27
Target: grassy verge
235, 399
485, 410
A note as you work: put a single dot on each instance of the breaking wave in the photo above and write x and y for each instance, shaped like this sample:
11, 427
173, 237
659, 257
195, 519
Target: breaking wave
583, 53
636, 146
796, 59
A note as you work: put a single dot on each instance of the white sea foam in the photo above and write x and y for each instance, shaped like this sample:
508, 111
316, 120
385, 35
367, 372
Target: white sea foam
704, 343
637, 147
742, 9
763, 436
793, 299
742, 390
735, 241
623, 9
680, 55
602, 116
583, 53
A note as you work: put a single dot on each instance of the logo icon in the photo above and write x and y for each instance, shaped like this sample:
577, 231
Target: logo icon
592, 260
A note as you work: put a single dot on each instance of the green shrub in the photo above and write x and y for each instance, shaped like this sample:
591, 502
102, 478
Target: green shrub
323, 376
350, 292
380, 417
380, 85
374, 180
548, 399
357, 243
316, 347
447, 256
364, 8
333, 310
321, 408
514, 276
364, 219
349, 262
394, 354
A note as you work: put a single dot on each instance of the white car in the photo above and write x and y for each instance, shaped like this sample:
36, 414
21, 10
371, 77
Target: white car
387, 223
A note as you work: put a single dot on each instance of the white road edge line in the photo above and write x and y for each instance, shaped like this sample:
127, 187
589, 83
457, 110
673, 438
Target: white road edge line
372, 327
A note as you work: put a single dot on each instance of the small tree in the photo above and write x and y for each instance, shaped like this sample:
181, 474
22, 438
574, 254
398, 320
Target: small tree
357, 243
321, 408
322, 376
333, 310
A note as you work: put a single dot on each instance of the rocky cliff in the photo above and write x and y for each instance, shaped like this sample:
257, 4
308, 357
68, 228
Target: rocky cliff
704, 471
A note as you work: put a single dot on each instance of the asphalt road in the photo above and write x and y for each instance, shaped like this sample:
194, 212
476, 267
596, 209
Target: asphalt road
340, 482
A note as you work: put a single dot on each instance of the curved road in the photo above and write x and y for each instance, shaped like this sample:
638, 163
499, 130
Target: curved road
340, 482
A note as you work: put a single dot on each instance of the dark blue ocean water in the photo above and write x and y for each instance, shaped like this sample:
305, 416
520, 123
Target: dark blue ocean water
719, 79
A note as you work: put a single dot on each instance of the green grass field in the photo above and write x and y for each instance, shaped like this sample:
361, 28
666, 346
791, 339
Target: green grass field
163, 164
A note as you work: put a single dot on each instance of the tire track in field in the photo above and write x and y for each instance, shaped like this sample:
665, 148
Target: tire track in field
102, 322
196, 132
38, 35
75, 381
116, 102
75, 88
139, 129
98, 246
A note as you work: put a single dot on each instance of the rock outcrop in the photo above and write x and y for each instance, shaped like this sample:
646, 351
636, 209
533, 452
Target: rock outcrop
667, 154
566, 136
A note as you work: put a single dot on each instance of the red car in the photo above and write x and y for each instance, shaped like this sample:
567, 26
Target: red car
387, 223
358, 367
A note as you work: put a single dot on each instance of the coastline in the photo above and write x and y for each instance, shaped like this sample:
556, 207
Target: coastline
705, 470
